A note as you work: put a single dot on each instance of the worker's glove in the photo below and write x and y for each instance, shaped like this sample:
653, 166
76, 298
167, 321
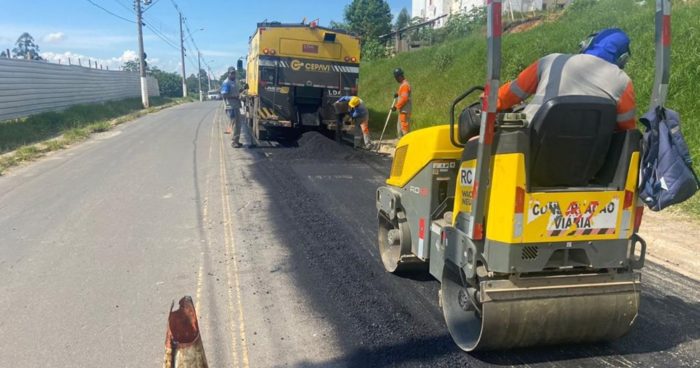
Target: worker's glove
393, 108
396, 95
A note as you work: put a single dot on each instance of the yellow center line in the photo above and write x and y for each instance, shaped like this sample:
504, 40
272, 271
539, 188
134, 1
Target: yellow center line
231, 250
205, 218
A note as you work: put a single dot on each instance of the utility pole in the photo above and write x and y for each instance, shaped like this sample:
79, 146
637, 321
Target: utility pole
199, 75
182, 58
142, 62
208, 81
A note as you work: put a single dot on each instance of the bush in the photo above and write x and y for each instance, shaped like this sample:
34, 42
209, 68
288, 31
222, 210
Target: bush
443, 58
461, 25
373, 50
170, 84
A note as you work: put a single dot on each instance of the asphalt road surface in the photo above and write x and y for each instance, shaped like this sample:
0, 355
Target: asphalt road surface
276, 245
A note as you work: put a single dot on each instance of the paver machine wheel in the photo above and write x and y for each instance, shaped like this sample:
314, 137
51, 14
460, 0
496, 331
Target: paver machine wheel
394, 239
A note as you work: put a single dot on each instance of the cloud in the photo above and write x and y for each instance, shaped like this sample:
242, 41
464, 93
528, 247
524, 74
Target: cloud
55, 37
128, 55
113, 63
77, 39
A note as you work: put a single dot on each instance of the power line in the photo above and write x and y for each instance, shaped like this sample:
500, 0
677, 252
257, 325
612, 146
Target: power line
150, 20
162, 37
109, 12
175, 5
152, 4
159, 24
190, 40
125, 7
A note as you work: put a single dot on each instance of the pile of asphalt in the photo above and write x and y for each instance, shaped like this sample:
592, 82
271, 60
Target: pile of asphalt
314, 145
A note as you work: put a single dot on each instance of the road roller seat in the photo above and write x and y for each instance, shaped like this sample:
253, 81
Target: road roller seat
567, 159
570, 139
570, 142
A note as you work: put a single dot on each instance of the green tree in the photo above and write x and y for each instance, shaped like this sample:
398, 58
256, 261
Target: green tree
170, 84
338, 25
402, 20
203, 76
368, 18
133, 66
373, 49
193, 84
25, 48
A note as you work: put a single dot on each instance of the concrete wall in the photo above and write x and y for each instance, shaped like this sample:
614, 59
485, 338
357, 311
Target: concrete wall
28, 87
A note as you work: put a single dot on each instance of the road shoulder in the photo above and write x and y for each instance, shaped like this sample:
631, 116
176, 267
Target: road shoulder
673, 241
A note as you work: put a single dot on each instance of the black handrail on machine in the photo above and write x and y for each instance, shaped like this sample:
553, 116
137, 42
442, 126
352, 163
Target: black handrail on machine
452, 113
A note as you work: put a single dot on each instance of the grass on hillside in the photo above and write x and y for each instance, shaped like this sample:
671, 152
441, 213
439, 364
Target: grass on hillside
46, 125
440, 73
39, 134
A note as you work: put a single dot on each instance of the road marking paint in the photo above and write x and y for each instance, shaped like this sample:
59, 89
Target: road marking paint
205, 215
231, 247
229, 294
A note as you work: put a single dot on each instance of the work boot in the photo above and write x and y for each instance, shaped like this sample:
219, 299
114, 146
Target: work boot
236, 145
357, 142
367, 141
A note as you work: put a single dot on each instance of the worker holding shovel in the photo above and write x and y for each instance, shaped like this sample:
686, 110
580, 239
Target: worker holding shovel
360, 115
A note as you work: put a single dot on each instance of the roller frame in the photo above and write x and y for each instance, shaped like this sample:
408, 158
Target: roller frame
568, 304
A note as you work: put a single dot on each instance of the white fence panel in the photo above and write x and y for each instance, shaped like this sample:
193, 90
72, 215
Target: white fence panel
28, 87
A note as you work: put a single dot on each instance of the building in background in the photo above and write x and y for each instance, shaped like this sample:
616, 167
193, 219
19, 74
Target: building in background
432, 9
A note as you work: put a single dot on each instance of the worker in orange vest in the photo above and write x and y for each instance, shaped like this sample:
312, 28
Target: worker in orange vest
597, 70
403, 103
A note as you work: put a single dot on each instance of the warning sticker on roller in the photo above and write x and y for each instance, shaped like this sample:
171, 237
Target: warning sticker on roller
576, 217
466, 186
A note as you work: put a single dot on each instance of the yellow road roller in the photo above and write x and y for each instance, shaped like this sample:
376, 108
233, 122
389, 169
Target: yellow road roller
531, 228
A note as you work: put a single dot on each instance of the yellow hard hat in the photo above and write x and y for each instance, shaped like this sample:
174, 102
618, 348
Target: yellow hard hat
354, 101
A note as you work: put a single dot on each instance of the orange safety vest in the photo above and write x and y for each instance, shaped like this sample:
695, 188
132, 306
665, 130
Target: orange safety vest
567, 75
403, 104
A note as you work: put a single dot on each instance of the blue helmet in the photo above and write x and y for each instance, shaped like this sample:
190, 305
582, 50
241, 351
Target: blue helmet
611, 45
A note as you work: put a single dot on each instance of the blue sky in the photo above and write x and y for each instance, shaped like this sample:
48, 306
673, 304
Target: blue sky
76, 28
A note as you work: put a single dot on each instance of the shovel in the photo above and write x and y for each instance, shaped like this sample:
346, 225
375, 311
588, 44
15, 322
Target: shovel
388, 116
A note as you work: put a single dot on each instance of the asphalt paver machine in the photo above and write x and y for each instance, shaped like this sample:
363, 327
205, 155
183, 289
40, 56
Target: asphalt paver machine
531, 228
